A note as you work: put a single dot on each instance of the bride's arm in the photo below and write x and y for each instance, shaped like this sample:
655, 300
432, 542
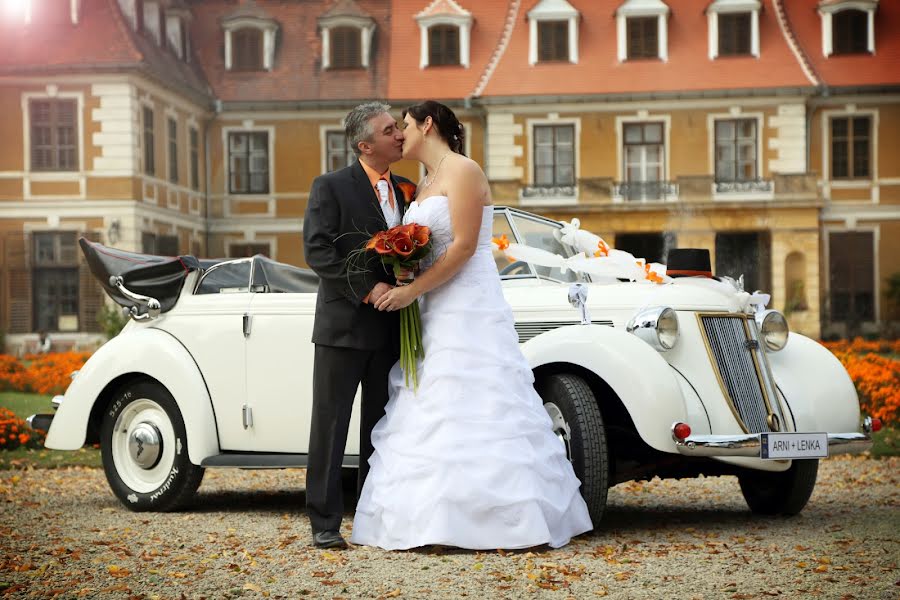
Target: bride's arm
466, 193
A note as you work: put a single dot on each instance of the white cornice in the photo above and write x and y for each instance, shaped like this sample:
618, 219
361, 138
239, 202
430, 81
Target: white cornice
553, 9
642, 8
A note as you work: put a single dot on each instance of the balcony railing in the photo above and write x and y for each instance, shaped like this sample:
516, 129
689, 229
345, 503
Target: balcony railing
752, 186
535, 192
645, 191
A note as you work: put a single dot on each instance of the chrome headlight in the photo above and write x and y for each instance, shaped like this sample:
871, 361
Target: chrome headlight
773, 329
658, 326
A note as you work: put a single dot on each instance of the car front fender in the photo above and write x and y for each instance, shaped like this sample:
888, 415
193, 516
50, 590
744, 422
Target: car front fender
642, 379
819, 392
146, 352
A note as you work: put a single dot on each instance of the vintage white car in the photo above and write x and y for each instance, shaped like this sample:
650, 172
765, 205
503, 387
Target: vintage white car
688, 377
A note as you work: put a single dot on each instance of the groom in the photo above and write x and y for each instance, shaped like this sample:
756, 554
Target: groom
354, 342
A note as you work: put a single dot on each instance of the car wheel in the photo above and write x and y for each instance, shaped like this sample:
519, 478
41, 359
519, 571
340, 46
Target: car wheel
784, 493
578, 423
144, 449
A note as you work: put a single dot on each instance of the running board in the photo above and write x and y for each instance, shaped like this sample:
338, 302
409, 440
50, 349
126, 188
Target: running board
259, 460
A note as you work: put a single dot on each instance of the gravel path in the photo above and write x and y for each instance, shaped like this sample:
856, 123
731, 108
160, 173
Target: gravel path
65, 535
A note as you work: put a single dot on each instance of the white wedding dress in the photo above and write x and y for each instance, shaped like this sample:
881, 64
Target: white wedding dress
470, 459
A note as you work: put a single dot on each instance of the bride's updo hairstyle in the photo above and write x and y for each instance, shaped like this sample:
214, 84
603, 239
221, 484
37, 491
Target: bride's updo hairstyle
448, 126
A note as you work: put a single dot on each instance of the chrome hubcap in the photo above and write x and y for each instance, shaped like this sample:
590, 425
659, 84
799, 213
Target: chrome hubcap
145, 445
560, 427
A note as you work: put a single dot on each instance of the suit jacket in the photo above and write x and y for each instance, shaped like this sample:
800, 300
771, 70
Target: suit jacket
342, 214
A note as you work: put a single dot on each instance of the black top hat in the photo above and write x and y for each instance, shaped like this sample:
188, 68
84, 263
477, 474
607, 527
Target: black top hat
689, 262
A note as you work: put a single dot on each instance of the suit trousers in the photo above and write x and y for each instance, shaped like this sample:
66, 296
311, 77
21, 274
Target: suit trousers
337, 373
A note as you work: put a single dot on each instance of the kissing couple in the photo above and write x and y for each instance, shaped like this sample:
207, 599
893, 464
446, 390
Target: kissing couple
467, 458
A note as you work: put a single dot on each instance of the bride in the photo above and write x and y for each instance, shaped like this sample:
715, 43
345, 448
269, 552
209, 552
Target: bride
468, 459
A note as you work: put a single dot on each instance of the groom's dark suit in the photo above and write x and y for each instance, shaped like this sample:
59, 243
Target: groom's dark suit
355, 343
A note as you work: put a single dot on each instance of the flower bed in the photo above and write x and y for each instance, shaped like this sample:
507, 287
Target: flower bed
40, 373
15, 433
876, 376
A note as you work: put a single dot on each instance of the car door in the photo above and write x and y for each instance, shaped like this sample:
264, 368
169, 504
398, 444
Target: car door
279, 373
209, 322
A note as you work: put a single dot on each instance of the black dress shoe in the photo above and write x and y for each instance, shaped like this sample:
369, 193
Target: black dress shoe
330, 538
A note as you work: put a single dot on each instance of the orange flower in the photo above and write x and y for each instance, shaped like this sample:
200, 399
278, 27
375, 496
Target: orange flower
502, 242
602, 249
408, 189
402, 244
421, 235
23, 438
651, 275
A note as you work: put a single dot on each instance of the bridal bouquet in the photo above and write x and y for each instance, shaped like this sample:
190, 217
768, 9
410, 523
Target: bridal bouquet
401, 248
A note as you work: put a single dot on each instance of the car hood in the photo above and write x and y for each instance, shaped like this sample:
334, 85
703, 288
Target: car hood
693, 294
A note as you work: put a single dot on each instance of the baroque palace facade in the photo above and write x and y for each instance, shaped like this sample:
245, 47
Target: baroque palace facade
764, 130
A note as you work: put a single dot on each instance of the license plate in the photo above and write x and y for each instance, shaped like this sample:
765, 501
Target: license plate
793, 445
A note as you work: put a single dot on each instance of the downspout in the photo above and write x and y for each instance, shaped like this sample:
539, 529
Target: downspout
208, 167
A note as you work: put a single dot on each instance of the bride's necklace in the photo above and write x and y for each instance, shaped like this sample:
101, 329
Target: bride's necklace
437, 170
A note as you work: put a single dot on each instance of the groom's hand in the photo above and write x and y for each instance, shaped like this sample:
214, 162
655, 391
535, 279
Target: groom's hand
378, 291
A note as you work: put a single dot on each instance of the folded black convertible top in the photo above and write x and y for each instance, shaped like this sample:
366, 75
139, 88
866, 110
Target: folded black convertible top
159, 277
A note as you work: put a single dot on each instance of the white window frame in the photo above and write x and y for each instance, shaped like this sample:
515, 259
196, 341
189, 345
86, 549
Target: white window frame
249, 127
638, 9
553, 10
530, 125
643, 117
251, 238
268, 29
324, 130
460, 18
52, 93
870, 183
719, 7
365, 26
733, 115
826, 13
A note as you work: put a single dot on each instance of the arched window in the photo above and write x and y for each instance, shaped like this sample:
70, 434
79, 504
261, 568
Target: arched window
345, 48
247, 49
850, 32
443, 45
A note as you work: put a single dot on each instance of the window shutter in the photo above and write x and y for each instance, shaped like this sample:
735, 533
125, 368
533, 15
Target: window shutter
90, 294
345, 50
17, 265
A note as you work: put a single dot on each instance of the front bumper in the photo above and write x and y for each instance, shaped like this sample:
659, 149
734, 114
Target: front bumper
749, 444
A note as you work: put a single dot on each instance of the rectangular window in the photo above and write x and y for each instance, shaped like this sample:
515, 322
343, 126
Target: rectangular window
851, 269
642, 37
851, 147
55, 281
173, 151
248, 163
734, 34
736, 150
246, 50
54, 135
339, 153
553, 41
195, 159
554, 155
850, 32
747, 254
149, 143
160, 245
443, 45
248, 249
345, 50
644, 167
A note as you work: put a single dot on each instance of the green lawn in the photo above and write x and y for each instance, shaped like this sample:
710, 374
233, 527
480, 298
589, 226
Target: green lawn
25, 405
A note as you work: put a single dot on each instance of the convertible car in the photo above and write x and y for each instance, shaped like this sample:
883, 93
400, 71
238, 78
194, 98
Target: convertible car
673, 378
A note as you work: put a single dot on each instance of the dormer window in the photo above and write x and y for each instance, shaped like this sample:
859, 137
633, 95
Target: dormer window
246, 50
177, 18
848, 26
444, 28
553, 32
249, 39
151, 20
733, 28
642, 30
346, 36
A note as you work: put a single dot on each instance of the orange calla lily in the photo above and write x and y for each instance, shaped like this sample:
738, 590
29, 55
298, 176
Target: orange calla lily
602, 249
502, 242
408, 189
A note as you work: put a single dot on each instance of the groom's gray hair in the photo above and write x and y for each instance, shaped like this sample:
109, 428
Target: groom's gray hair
358, 123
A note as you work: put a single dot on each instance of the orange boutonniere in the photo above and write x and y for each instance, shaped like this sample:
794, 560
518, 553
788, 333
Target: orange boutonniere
408, 189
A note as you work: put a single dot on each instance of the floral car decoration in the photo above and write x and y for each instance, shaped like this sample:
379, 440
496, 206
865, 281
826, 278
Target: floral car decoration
643, 373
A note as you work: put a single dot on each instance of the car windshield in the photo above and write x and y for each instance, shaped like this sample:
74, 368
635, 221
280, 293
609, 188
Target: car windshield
531, 231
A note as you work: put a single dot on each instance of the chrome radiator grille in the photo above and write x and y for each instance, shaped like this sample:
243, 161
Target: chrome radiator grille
732, 351
532, 329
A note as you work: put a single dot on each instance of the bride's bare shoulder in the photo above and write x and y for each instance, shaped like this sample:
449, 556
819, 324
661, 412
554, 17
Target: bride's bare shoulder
464, 165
